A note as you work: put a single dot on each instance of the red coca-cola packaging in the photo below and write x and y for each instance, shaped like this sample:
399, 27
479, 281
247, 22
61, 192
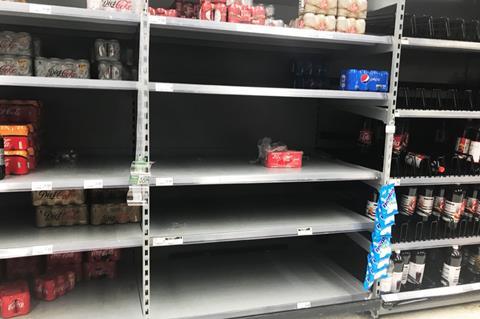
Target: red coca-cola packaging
258, 14
206, 11
20, 112
220, 12
99, 269
14, 299
16, 162
234, 12
64, 259
246, 14
75, 268
152, 11
52, 286
22, 268
15, 143
103, 255
284, 159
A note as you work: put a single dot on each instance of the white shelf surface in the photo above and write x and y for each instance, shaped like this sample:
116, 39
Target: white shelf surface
437, 114
247, 218
111, 173
436, 180
165, 87
440, 45
66, 83
67, 17
236, 171
103, 298
216, 30
247, 284
22, 240
436, 243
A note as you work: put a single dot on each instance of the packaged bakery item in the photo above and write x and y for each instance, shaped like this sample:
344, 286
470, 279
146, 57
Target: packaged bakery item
356, 9
64, 197
325, 7
68, 215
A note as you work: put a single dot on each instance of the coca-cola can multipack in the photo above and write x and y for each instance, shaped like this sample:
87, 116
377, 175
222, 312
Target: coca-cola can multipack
62, 68
15, 43
14, 299
115, 5
64, 197
119, 213
53, 285
15, 65
108, 50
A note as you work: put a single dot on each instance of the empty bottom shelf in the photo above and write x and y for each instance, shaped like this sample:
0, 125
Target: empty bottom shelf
226, 286
104, 298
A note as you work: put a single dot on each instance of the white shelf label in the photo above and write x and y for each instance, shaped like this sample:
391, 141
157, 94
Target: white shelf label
40, 8
93, 183
41, 186
390, 129
167, 241
304, 305
42, 250
164, 181
305, 231
164, 87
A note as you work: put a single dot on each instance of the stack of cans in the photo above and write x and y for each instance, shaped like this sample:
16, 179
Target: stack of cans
62, 68
364, 80
15, 53
107, 55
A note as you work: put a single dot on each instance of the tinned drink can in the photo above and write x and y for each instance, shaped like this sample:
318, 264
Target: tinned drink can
384, 81
349, 80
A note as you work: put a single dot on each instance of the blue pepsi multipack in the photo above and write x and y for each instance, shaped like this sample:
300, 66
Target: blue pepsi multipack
364, 80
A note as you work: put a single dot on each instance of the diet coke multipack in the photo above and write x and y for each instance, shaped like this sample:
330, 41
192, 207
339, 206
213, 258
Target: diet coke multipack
16, 49
332, 15
116, 5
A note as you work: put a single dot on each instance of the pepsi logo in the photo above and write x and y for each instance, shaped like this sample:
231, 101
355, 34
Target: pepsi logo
364, 78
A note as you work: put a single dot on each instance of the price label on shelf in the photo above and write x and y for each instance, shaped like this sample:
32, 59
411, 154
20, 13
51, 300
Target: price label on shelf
164, 181
40, 8
41, 186
42, 250
160, 20
304, 305
305, 231
164, 87
93, 183
167, 241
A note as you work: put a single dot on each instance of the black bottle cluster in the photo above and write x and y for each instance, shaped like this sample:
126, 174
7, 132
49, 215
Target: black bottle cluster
447, 28
422, 269
420, 98
463, 157
429, 213
309, 74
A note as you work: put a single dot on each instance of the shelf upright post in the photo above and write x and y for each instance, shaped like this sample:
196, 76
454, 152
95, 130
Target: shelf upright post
142, 153
392, 95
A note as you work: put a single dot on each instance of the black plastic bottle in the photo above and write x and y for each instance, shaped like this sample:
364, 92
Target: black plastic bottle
407, 205
451, 268
471, 207
474, 151
397, 272
365, 143
417, 270
2, 159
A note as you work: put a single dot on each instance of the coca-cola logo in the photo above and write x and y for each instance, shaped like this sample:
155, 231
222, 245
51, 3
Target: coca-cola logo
8, 69
58, 73
6, 44
53, 195
117, 4
15, 306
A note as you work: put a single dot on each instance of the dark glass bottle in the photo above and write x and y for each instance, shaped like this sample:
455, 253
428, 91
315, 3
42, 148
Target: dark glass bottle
451, 268
406, 255
365, 143
453, 208
474, 151
407, 205
471, 207
2, 159
471, 273
423, 213
417, 270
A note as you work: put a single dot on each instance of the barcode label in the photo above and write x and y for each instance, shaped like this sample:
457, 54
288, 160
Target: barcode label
93, 183
304, 305
167, 241
42, 250
40, 8
41, 186
164, 181
305, 231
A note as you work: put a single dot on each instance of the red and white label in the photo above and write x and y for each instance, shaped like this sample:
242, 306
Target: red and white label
463, 145
408, 204
453, 211
474, 151
425, 205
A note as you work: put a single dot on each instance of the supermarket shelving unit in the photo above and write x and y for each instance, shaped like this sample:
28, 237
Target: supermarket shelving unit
207, 288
